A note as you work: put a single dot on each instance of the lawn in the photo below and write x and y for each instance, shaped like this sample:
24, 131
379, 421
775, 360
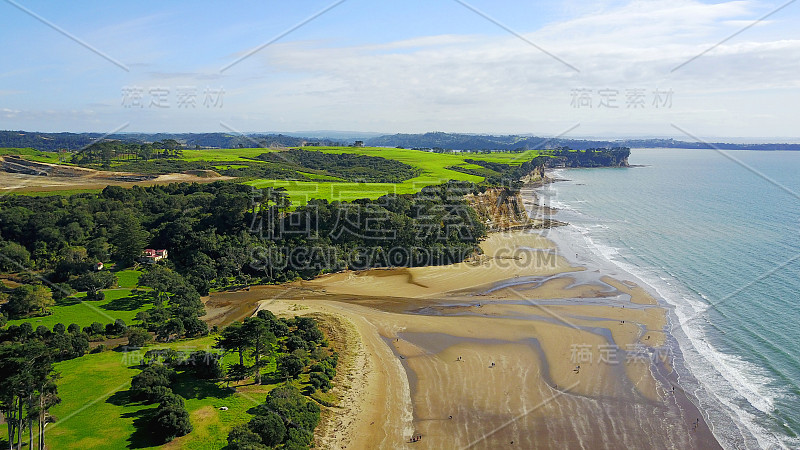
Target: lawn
119, 303
97, 412
433, 165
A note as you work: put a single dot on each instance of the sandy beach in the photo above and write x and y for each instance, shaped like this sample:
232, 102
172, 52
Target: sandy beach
516, 348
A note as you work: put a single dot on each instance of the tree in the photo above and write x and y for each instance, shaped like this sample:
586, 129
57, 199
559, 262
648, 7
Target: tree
269, 427
241, 437
95, 329
320, 381
144, 384
171, 329
27, 387
128, 239
195, 327
14, 257
290, 366
117, 328
62, 291
299, 415
47, 393
27, 299
172, 419
259, 338
233, 338
295, 342
237, 372
162, 280
94, 281
138, 337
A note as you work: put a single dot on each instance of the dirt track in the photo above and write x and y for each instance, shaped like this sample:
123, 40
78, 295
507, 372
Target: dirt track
53, 177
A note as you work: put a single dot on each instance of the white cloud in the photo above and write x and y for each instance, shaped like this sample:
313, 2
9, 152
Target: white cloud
469, 83
499, 83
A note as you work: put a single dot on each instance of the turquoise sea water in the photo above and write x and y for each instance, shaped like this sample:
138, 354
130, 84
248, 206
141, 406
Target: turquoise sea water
719, 242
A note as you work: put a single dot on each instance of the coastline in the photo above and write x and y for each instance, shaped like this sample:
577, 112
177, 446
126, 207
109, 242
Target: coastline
495, 339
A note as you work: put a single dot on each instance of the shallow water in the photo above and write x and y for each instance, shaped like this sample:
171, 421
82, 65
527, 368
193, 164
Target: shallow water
718, 241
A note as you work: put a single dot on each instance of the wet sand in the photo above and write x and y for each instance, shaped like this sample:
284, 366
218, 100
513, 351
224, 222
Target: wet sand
520, 347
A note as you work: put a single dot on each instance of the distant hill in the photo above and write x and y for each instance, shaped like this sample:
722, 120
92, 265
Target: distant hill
435, 140
77, 141
455, 141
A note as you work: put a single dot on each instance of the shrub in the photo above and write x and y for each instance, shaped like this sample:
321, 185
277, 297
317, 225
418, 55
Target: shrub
95, 296
320, 381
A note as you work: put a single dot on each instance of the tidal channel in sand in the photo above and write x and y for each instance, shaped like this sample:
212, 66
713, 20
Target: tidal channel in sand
516, 348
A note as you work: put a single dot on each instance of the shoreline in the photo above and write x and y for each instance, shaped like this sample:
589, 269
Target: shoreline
455, 340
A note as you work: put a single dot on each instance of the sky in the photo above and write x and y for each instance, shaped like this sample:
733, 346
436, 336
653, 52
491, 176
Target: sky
680, 68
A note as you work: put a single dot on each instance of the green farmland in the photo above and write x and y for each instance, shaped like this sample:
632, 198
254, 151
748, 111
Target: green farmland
433, 166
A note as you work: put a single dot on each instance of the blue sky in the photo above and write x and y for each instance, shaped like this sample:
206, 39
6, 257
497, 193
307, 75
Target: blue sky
403, 66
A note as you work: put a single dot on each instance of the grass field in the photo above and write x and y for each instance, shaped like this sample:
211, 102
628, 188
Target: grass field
433, 166
97, 412
119, 303
31, 154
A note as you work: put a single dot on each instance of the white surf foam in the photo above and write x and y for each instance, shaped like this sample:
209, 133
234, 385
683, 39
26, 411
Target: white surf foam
726, 380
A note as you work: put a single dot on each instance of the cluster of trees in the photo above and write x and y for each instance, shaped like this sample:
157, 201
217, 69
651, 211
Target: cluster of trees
212, 231
296, 342
27, 380
153, 385
28, 300
62, 342
371, 169
111, 150
99, 332
204, 227
286, 419
76, 141
433, 227
178, 306
499, 174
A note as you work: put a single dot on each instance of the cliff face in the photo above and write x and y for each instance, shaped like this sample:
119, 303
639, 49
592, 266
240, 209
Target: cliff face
615, 157
537, 177
506, 209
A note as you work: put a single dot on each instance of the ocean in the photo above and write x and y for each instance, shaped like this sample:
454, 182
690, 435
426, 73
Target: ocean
717, 238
